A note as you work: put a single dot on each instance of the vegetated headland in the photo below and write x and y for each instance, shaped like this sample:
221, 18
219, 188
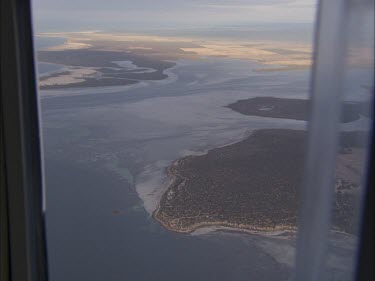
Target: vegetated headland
254, 184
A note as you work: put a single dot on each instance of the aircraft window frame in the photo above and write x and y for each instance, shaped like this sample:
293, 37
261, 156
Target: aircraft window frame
23, 243
22, 225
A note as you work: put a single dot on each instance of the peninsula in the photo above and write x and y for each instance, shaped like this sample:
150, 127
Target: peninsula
254, 183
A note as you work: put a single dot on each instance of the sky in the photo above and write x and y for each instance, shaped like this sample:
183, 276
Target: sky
68, 15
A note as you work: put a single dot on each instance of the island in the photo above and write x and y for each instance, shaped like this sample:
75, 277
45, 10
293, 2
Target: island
297, 109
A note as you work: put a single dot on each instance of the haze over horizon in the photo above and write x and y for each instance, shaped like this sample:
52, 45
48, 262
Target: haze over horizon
117, 15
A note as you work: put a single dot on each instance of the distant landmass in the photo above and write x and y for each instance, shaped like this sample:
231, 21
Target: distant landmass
297, 109
97, 59
98, 68
254, 184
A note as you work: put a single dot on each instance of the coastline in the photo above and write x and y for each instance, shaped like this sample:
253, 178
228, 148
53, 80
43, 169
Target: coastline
79, 91
244, 229
227, 225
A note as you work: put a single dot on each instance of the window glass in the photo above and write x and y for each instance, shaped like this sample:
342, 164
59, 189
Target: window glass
174, 138
357, 115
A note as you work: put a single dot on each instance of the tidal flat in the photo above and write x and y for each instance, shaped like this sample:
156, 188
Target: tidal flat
106, 152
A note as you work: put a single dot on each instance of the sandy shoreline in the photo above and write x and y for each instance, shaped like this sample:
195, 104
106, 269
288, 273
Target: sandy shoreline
226, 226
207, 227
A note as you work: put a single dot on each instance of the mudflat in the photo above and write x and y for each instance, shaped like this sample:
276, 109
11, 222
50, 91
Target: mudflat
98, 68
